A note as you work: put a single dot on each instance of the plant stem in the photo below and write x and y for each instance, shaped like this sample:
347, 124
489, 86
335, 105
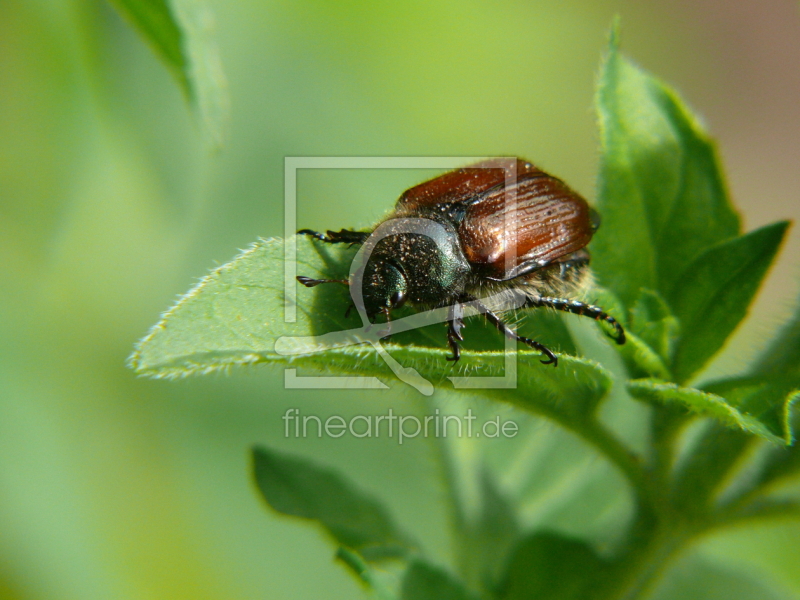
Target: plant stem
456, 509
667, 422
644, 563
657, 535
754, 510
608, 445
658, 542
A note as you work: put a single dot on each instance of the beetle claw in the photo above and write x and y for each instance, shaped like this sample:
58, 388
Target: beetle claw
551, 360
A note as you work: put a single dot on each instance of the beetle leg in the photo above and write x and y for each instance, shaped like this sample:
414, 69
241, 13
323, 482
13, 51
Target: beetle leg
495, 320
580, 308
455, 323
308, 282
344, 236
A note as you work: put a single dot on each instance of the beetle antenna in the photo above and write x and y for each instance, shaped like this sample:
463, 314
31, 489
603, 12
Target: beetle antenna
308, 282
344, 236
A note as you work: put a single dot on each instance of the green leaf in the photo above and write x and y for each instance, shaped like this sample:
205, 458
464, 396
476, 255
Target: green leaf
652, 321
423, 581
769, 399
782, 357
660, 191
759, 509
156, 22
770, 391
702, 403
181, 32
549, 566
570, 396
364, 572
779, 368
235, 316
297, 487
718, 452
490, 539
702, 476
780, 463
549, 328
641, 360
715, 292
698, 578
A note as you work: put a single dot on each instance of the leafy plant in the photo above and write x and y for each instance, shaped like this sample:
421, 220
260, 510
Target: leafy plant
678, 272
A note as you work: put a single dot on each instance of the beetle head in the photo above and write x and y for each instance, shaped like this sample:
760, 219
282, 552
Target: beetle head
384, 286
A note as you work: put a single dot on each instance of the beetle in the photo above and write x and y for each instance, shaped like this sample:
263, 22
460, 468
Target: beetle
527, 234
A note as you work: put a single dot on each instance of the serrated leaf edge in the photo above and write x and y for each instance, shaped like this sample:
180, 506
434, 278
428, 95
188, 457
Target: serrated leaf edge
134, 360
639, 388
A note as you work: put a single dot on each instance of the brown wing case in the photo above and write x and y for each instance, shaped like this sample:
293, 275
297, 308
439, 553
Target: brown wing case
464, 184
546, 221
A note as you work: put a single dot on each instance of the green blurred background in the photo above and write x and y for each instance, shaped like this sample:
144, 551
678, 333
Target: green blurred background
111, 204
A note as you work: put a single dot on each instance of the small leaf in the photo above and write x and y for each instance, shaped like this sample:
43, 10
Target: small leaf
181, 32
719, 450
769, 399
549, 566
297, 487
779, 368
706, 470
660, 191
156, 23
761, 509
490, 539
641, 360
653, 322
364, 572
697, 578
702, 403
715, 292
423, 581
782, 357
772, 392
780, 463
209, 86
